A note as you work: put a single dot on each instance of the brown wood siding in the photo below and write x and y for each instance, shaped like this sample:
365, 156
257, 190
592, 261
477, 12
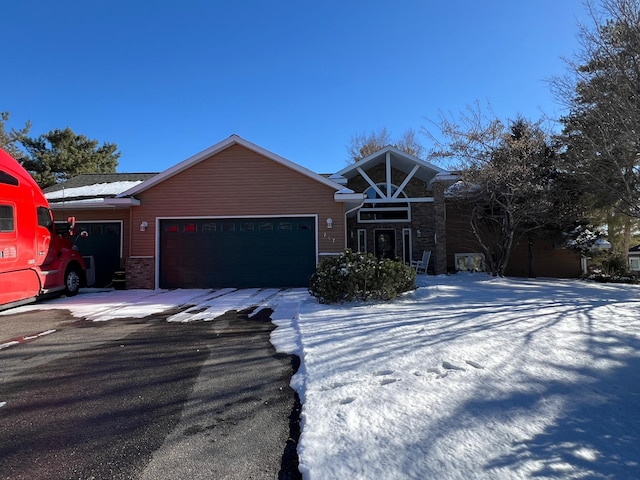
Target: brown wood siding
550, 261
238, 182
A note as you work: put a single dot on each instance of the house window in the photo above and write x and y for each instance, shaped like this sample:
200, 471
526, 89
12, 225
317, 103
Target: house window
469, 262
209, 227
406, 245
6, 218
246, 226
634, 263
362, 240
379, 208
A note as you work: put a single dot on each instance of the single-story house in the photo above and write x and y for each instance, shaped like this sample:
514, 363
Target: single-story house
239, 215
634, 258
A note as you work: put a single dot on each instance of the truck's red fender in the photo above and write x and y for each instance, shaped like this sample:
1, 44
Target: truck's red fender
19, 285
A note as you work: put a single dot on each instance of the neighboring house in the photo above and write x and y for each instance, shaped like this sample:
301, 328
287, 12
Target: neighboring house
237, 215
634, 258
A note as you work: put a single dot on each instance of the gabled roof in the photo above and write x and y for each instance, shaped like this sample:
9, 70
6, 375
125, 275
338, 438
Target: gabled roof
219, 147
399, 160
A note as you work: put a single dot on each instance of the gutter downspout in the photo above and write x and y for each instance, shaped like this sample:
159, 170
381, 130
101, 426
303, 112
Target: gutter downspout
346, 238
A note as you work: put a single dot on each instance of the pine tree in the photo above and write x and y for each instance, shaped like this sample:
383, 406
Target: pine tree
61, 154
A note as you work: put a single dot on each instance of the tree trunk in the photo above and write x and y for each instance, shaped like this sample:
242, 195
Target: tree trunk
532, 259
627, 240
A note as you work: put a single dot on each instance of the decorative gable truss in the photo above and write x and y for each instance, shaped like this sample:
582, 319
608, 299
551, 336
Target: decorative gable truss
402, 213
387, 196
385, 201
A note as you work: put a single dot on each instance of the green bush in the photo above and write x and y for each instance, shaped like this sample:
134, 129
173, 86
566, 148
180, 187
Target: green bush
610, 268
360, 276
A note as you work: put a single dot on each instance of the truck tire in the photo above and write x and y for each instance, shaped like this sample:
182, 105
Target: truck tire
71, 281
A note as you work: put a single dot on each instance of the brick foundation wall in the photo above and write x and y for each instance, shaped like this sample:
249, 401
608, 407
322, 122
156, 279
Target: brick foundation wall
140, 272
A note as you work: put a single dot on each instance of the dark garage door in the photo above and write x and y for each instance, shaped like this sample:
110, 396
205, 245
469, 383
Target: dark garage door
237, 252
103, 243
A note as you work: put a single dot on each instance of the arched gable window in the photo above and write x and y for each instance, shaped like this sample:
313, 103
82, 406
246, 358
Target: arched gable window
379, 208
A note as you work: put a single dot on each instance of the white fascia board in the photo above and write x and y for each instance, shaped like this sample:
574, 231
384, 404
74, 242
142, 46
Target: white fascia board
348, 197
128, 201
444, 177
81, 205
339, 179
218, 147
399, 200
380, 156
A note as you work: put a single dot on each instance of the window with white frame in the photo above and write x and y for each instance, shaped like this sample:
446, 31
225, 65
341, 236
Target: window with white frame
384, 207
634, 263
469, 262
362, 240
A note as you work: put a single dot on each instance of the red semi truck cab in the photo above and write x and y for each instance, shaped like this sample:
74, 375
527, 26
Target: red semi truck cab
35, 259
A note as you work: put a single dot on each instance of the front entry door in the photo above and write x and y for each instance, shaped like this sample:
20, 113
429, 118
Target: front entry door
385, 244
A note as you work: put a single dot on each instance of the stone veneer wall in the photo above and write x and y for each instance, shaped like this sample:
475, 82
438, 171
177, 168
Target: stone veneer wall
140, 272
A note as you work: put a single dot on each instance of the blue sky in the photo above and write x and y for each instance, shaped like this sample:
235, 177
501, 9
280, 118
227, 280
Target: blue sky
166, 79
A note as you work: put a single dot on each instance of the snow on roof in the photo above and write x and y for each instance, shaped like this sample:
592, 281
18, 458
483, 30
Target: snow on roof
95, 190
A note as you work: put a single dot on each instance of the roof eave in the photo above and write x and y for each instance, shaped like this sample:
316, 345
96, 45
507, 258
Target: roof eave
97, 204
444, 178
348, 197
123, 201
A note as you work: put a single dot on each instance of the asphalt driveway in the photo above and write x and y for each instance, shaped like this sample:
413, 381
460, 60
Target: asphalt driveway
145, 399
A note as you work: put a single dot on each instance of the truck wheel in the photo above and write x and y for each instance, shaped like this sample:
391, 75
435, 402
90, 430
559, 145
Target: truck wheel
71, 281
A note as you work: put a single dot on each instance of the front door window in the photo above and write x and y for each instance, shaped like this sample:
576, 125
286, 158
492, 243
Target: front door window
385, 245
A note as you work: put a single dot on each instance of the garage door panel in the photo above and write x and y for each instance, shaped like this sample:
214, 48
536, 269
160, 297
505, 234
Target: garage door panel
261, 252
103, 243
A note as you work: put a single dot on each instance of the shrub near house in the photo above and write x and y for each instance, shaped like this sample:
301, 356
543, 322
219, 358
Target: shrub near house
360, 276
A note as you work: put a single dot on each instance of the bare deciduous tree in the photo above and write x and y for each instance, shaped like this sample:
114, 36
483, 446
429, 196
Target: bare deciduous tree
363, 144
509, 183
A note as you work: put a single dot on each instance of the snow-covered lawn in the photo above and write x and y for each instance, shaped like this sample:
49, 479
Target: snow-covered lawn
467, 377
473, 377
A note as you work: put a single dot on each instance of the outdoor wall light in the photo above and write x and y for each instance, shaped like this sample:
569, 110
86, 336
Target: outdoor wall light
143, 226
329, 222
418, 233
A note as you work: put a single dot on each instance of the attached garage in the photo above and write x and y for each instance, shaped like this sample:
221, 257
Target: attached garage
233, 215
104, 244
237, 252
